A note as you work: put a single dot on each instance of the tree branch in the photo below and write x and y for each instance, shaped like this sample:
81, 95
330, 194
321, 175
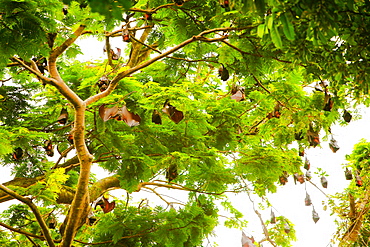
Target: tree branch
21, 232
21, 182
130, 71
257, 55
70, 95
159, 195
35, 211
264, 228
107, 49
37, 73
180, 187
60, 49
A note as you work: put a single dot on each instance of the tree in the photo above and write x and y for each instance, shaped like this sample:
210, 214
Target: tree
206, 97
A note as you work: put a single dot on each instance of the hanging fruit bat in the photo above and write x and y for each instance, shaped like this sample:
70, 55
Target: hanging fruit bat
301, 151
329, 102
108, 206
237, 93
313, 137
63, 117
18, 153
70, 138
276, 112
224, 3
223, 73
105, 205
116, 55
65, 9
179, 2
125, 34
307, 200
307, 164
298, 136
273, 218
92, 220
103, 83
315, 215
106, 113
247, 241
333, 145
324, 182
148, 16
41, 64
52, 223
299, 178
286, 228
308, 175
358, 181
174, 114
156, 118
347, 116
171, 172
283, 179
130, 118
119, 114
348, 174
49, 148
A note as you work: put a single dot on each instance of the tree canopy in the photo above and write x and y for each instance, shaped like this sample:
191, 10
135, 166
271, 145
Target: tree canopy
208, 97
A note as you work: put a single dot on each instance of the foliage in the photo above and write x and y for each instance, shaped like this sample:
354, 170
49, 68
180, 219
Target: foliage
351, 204
289, 71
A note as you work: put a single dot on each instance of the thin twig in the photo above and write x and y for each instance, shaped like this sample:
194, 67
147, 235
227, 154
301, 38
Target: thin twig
319, 189
21, 231
140, 66
265, 231
258, 55
151, 48
159, 195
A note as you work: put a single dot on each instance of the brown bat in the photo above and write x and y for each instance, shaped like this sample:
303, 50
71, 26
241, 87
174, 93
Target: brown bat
223, 73
179, 2
174, 114
315, 215
49, 148
103, 83
119, 114
18, 153
307, 200
171, 172
125, 34
116, 55
63, 117
324, 182
347, 116
156, 118
313, 137
237, 93
333, 145
224, 3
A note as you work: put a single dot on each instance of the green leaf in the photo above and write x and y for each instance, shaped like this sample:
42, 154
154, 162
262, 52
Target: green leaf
288, 27
275, 36
261, 30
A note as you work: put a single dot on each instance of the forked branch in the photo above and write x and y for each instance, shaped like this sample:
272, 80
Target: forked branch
34, 209
138, 67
